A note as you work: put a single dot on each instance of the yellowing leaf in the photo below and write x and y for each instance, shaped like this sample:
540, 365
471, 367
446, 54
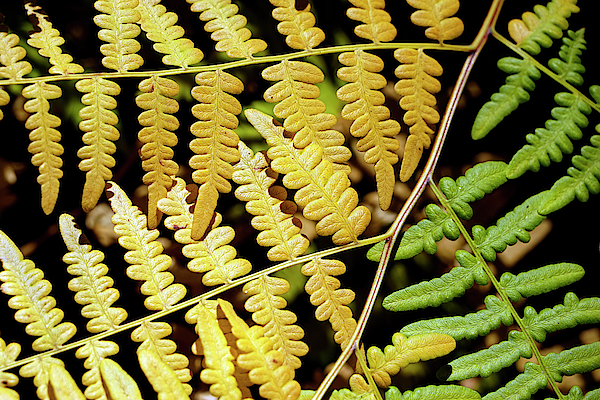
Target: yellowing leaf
11, 55
161, 377
62, 386
297, 25
437, 15
376, 22
118, 383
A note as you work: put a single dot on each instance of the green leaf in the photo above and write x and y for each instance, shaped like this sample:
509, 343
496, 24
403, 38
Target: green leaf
433, 392
540, 280
523, 386
577, 360
508, 98
569, 66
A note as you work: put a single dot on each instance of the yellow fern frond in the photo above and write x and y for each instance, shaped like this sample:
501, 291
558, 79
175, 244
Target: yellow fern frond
437, 16
227, 27
119, 384
406, 350
161, 377
416, 87
298, 26
266, 306
98, 123
119, 23
325, 195
265, 365
297, 96
30, 297
216, 142
160, 28
371, 118
4, 99
376, 22
39, 370
8, 354
331, 302
11, 56
45, 139
94, 352
218, 358
47, 40
274, 215
157, 99
61, 385
148, 263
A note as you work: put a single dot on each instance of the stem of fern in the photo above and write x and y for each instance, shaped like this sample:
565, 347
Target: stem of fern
363, 365
532, 343
544, 69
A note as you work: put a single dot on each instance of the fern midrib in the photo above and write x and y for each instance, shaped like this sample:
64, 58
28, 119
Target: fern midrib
516, 317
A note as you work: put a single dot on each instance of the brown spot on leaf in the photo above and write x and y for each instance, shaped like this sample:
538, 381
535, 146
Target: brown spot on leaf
288, 207
278, 192
301, 5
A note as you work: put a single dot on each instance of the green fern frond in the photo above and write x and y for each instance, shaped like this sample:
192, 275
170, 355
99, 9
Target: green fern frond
540, 280
298, 26
438, 17
159, 25
325, 195
98, 124
273, 213
157, 99
228, 28
119, 22
523, 386
569, 66
514, 92
297, 96
47, 40
11, 55
45, 139
535, 31
376, 22
433, 392
267, 308
331, 301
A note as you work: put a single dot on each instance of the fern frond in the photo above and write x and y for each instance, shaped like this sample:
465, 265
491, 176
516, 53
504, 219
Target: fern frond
265, 365
62, 386
158, 136
274, 215
4, 100
296, 93
159, 25
98, 124
30, 297
404, 351
216, 143
145, 255
569, 66
507, 99
11, 56
325, 195
538, 29
331, 302
39, 370
433, 392
583, 178
416, 87
266, 306
376, 22
161, 377
228, 28
370, 118
8, 354
94, 352
438, 17
119, 22
119, 384
298, 26
540, 280
44, 145
47, 40
218, 358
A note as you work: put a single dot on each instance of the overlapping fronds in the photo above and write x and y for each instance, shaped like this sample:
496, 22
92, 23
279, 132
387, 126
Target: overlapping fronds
370, 118
325, 194
119, 22
119, 384
98, 124
62, 385
256, 354
537, 29
216, 142
416, 87
162, 378
8, 354
158, 137
95, 292
437, 15
267, 308
160, 27
376, 22
45, 139
331, 301
273, 213
513, 93
304, 114
47, 40
227, 27
298, 26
